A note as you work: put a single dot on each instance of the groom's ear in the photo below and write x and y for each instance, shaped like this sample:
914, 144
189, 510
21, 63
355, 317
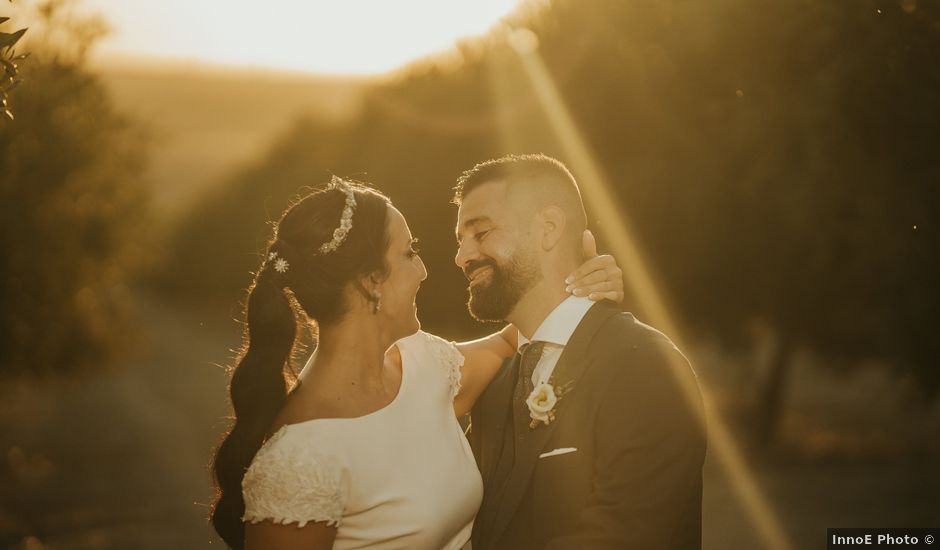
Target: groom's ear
552, 225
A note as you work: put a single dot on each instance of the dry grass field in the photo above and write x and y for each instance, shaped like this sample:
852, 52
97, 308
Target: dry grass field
206, 123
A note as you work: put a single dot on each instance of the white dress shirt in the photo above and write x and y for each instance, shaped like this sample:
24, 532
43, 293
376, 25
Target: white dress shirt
556, 330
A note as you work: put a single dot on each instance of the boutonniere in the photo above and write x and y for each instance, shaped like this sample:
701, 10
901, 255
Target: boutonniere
542, 402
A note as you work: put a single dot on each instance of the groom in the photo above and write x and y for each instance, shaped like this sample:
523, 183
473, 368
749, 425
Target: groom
593, 436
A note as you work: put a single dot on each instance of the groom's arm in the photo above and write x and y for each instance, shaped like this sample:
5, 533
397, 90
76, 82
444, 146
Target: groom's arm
650, 446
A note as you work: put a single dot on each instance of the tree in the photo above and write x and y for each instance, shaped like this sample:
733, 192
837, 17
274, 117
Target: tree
775, 159
70, 210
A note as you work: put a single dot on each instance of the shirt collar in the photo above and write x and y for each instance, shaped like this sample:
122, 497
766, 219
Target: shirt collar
560, 324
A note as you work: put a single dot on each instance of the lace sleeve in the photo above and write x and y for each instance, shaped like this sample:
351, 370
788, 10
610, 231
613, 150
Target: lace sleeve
292, 484
449, 357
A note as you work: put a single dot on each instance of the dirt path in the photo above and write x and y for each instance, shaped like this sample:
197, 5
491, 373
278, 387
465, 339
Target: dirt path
118, 460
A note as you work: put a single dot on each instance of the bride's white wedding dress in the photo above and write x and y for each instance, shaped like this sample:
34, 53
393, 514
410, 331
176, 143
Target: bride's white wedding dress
400, 477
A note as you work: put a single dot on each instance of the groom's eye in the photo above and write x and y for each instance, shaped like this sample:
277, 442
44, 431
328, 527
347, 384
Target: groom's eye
479, 236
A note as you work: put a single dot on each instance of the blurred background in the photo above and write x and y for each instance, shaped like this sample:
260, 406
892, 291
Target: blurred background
765, 171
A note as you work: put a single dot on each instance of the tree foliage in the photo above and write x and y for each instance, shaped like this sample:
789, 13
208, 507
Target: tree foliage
775, 159
70, 210
9, 78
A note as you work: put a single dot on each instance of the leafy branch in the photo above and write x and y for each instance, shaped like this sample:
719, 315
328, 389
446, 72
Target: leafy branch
8, 61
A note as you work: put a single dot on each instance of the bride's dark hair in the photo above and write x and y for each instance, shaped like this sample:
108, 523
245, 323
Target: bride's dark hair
312, 287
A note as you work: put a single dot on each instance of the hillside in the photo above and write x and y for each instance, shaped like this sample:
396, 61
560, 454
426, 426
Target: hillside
206, 123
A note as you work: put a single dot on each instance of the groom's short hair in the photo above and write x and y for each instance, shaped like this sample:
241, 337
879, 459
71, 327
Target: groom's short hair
540, 181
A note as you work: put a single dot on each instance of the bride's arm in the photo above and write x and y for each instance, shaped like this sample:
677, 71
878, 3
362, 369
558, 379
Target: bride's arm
482, 360
268, 535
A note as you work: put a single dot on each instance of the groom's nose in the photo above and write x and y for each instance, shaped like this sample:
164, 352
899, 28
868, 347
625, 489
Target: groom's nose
466, 251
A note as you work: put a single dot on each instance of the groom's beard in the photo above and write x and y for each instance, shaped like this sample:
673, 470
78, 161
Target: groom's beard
495, 300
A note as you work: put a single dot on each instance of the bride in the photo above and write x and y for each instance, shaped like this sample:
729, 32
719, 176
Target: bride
365, 451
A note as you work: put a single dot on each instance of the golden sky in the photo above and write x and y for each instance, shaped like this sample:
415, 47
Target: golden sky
335, 37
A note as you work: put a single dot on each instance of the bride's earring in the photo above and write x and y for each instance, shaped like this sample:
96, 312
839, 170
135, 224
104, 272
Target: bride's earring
376, 301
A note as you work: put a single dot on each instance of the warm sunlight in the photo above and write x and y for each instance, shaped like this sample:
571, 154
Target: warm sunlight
336, 37
597, 194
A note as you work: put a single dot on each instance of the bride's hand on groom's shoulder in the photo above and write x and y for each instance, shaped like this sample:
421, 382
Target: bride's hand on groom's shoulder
599, 277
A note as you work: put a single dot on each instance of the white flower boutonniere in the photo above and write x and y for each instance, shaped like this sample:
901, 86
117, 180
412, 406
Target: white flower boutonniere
542, 401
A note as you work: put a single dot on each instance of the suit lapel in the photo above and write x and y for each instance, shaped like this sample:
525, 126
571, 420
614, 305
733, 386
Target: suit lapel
531, 442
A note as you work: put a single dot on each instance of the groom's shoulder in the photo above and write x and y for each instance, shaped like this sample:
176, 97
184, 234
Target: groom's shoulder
624, 332
641, 359
628, 346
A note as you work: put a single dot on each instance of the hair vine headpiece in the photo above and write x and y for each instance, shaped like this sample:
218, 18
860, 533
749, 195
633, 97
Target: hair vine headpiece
345, 221
280, 264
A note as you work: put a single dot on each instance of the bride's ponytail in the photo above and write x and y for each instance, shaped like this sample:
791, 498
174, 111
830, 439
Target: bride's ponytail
258, 390
295, 274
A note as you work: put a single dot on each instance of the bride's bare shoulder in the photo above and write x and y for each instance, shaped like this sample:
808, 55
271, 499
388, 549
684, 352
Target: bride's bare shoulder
315, 398
308, 400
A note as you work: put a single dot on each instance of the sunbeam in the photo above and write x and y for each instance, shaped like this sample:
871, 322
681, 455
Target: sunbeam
354, 37
617, 228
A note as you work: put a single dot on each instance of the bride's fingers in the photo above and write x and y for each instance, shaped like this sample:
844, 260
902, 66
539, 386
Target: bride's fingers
592, 278
608, 289
588, 244
597, 263
598, 277
601, 286
613, 296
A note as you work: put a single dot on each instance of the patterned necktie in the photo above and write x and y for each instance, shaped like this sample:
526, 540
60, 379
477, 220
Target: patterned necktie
531, 353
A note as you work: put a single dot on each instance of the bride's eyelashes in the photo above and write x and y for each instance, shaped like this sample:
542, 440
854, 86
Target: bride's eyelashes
413, 248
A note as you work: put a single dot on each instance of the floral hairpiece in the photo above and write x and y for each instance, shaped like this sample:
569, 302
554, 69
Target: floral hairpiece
345, 221
280, 264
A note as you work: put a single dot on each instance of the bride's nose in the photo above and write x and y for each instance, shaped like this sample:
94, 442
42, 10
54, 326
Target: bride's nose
424, 269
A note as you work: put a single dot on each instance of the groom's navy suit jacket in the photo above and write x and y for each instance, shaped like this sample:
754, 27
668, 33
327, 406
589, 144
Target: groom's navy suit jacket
633, 413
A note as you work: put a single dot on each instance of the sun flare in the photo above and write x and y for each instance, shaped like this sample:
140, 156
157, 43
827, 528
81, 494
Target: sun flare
336, 37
